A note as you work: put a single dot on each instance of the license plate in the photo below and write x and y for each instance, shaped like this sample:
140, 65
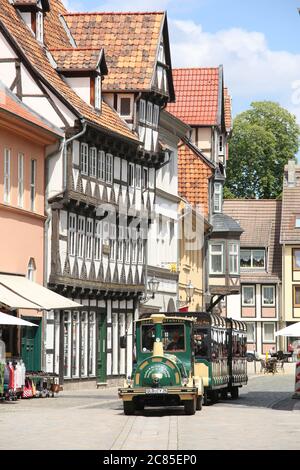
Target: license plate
156, 391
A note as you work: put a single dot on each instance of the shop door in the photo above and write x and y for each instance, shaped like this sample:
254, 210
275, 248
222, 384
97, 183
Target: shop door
31, 345
101, 363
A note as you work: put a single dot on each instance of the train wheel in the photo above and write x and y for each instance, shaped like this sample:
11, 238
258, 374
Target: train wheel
190, 407
129, 408
214, 396
139, 406
199, 403
205, 399
234, 393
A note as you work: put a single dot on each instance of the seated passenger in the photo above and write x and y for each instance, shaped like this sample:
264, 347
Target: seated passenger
177, 342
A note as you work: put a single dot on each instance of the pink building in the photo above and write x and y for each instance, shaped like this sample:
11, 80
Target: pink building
24, 136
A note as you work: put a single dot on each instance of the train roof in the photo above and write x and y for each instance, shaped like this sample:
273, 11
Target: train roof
211, 319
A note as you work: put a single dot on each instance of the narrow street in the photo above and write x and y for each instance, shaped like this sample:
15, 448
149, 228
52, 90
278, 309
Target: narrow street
265, 417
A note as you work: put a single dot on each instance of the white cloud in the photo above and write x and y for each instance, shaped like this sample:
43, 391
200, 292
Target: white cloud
135, 5
252, 70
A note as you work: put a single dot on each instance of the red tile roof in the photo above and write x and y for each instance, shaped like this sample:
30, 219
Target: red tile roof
130, 41
108, 119
11, 104
197, 95
79, 59
194, 172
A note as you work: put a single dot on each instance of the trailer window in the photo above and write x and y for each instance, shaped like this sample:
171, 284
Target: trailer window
201, 343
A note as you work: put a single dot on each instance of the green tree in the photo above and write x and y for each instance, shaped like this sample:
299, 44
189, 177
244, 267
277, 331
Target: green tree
264, 139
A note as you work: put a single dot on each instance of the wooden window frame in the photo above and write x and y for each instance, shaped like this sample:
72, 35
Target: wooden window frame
93, 162
294, 264
21, 159
130, 98
262, 296
33, 175
222, 254
142, 107
7, 176
254, 295
72, 232
295, 286
85, 163
264, 340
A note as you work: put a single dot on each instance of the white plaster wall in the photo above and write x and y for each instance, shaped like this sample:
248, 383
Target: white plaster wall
6, 51
234, 306
81, 86
29, 85
108, 98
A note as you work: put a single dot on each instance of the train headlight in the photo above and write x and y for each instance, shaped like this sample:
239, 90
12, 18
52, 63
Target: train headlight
129, 382
185, 381
156, 377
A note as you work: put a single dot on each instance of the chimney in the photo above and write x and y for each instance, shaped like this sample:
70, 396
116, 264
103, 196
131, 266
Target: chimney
291, 173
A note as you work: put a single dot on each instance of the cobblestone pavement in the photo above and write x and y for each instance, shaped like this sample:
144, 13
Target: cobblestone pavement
265, 417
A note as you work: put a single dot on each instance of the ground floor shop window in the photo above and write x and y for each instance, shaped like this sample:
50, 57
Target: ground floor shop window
92, 342
80, 340
67, 344
84, 344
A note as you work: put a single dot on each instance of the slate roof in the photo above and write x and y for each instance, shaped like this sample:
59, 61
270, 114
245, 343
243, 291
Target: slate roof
11, 104
33, 52
223, 223
130, 41
75, 60
290, 207
197, 95
260, 220
194, 171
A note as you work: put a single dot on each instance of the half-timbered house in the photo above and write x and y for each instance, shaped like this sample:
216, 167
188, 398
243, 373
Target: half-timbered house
138, 87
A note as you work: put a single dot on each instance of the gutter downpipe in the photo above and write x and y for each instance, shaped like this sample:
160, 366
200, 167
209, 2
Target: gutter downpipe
66, 143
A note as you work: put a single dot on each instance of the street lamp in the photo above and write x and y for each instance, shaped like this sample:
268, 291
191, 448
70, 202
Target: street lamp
190, 289
153, 285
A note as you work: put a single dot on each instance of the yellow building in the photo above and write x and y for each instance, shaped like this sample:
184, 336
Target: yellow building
192, 284
290, 240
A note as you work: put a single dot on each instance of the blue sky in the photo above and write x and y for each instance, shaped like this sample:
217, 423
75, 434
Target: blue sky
257, 41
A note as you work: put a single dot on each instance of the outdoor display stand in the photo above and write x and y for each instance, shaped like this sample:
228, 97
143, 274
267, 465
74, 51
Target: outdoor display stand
41, 385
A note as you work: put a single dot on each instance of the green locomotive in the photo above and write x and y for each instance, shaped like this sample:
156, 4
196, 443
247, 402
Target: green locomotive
163, 374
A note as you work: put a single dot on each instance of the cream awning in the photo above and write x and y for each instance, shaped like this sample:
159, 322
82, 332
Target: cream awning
17, 292
10, 320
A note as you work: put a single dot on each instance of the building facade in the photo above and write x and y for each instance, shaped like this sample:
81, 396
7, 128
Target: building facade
260, 300
203, 102
290, 243
24, 137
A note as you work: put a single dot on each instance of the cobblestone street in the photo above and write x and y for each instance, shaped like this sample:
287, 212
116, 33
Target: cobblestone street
265, 417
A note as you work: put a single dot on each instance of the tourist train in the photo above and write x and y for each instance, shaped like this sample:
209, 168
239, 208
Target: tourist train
185, 359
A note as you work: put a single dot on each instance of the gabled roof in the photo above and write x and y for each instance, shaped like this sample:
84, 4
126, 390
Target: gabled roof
10, 103
131, 43
290, 204
199, 93
79, 59
260, 220
194, 172
35, 56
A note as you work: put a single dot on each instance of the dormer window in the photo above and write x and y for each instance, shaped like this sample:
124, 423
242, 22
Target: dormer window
98, 97
39, 34
218, 197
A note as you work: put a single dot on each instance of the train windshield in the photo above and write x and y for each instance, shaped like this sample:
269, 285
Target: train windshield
173, 337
